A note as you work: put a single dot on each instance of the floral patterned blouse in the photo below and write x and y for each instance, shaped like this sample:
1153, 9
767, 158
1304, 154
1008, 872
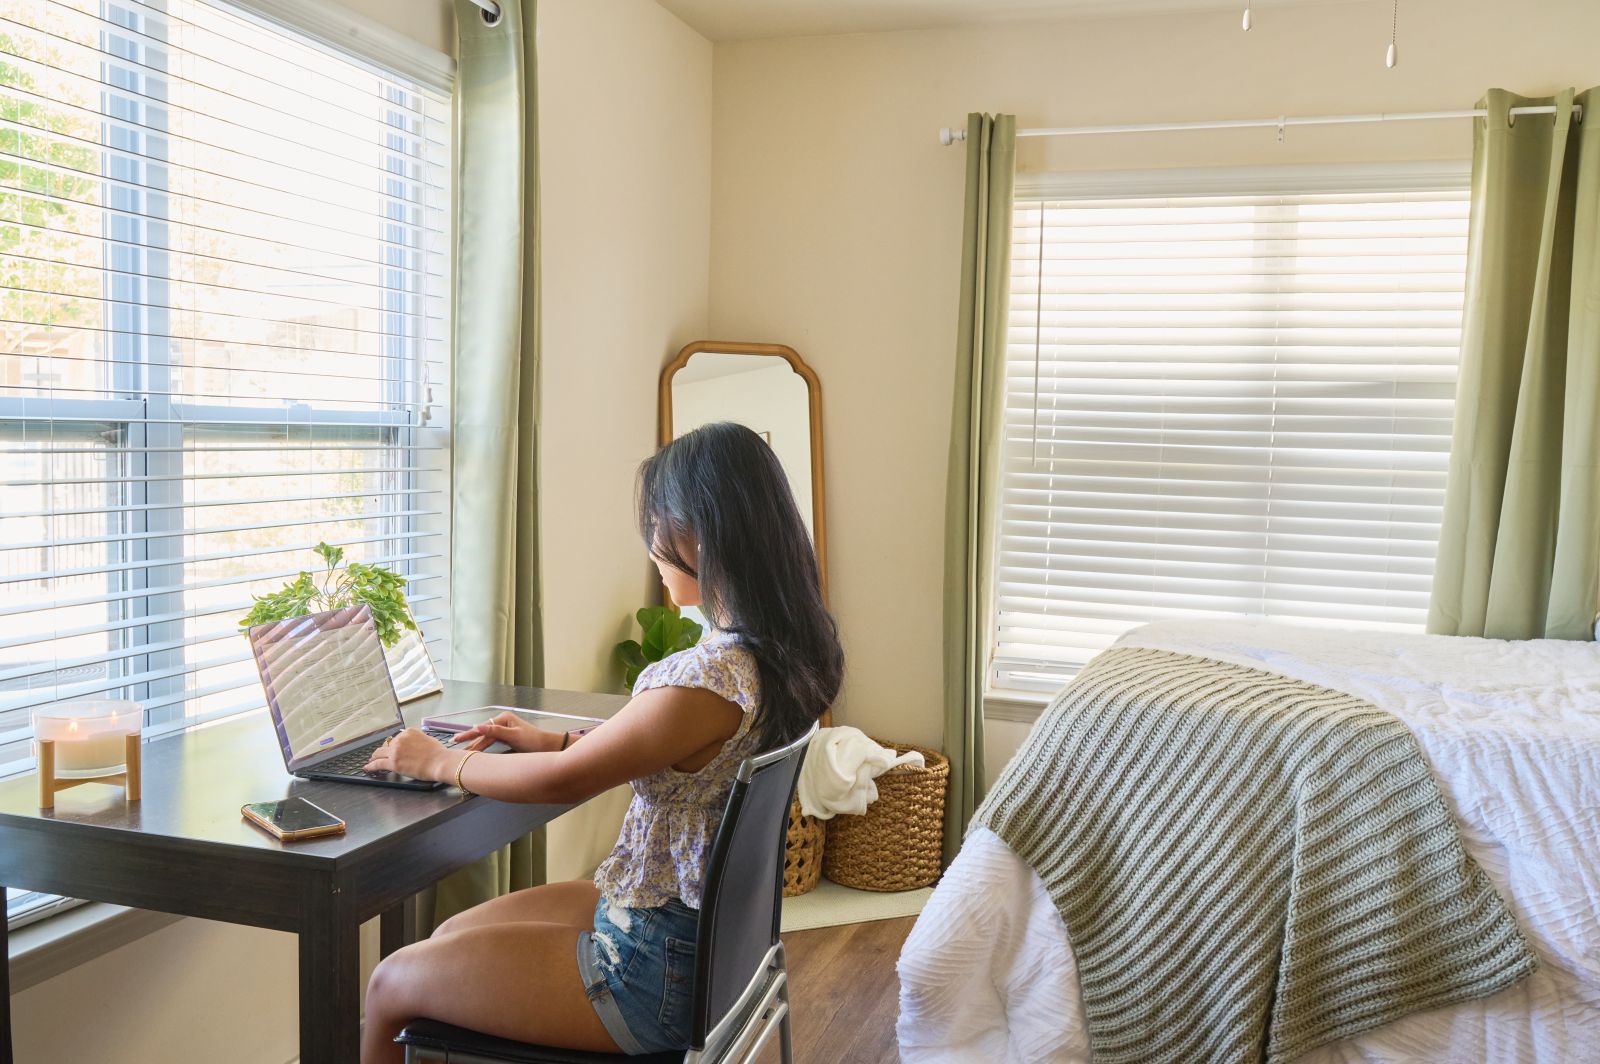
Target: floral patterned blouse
666, 837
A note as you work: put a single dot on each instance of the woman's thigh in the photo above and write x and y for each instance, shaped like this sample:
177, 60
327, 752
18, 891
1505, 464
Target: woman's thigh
511, 980
570, 904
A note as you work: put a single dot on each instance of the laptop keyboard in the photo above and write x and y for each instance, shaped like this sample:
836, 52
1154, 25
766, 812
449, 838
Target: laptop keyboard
350, 762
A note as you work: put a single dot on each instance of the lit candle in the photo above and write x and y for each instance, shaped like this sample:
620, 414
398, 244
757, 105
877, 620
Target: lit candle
90, 736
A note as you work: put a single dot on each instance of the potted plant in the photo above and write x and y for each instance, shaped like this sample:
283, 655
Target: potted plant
379, 589
666, 632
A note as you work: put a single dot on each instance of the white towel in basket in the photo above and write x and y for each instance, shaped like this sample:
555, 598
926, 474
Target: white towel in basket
838, 774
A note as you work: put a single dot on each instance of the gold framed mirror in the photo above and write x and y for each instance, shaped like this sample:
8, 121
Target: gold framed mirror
769, 389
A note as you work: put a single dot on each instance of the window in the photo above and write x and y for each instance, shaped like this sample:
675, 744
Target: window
224, 336
1228, 394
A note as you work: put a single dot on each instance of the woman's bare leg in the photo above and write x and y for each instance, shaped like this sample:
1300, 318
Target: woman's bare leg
511, 980
570, 903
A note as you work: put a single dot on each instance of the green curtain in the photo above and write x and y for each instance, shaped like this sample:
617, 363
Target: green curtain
1519, 552
975, 438
495, 624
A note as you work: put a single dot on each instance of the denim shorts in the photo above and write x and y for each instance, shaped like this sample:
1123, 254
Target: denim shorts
638, 967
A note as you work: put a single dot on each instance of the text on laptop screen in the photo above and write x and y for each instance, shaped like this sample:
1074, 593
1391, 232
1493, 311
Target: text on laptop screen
326, 681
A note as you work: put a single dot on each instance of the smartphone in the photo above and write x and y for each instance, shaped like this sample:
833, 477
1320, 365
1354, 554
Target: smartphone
293, 818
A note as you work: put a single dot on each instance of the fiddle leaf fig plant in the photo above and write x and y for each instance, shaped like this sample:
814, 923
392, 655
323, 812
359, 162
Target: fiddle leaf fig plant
666, 632
381, 590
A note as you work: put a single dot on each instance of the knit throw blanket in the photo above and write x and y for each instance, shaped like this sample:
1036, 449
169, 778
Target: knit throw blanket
1248, 866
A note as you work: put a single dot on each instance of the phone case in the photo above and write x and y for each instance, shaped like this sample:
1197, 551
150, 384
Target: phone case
291, 836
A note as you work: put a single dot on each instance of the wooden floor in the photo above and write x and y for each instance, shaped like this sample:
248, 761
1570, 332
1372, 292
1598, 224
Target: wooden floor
844, 992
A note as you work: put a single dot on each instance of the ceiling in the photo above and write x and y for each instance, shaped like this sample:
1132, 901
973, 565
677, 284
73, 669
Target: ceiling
728, 20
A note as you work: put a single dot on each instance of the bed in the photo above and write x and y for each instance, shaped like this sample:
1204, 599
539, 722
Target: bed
1511, 732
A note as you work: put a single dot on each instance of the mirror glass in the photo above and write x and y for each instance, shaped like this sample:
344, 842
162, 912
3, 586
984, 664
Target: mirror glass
762, 393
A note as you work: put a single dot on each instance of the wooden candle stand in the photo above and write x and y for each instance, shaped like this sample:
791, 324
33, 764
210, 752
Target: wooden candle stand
50, 786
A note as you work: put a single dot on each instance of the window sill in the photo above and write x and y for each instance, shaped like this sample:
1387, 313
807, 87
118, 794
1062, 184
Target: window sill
46, 949
1023, 707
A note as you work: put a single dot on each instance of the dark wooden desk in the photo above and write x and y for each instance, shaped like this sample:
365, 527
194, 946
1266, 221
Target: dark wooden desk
184, 849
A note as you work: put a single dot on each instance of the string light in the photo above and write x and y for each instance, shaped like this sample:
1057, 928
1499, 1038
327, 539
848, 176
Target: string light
1394, 22
1389, 59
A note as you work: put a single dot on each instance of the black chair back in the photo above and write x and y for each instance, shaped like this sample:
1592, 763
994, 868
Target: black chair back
742, 899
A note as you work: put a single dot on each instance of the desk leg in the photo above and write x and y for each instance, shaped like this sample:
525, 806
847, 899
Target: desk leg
330, 984
5, 985
397, 927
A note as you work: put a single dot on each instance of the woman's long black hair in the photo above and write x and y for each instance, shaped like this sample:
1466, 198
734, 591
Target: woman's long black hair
721, 487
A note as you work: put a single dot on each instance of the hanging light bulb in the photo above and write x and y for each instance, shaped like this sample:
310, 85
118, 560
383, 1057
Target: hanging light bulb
1394, 21
1247, 16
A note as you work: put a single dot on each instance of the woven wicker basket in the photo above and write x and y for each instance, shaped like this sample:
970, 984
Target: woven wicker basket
896, 843
802, 859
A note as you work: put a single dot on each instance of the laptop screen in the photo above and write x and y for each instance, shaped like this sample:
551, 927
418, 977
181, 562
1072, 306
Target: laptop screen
326, 681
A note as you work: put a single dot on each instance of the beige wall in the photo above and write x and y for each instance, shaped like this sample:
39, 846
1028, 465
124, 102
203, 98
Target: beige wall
625, 139
836, 221
192, 991
625, 176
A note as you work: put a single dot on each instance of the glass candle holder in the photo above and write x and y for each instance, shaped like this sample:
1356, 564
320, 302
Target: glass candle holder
90, 736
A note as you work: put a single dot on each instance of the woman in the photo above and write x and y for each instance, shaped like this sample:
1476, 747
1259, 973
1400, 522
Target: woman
606, 965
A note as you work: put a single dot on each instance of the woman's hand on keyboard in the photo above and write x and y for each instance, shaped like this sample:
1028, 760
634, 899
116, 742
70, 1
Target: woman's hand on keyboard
415, 754
510, 729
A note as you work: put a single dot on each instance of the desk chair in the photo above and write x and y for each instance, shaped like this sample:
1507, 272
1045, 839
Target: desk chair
741, 987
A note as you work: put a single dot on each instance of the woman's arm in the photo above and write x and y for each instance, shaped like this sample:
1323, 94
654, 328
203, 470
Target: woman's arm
655, 730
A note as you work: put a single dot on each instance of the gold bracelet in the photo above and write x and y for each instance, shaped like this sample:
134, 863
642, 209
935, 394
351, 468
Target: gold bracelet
461, 765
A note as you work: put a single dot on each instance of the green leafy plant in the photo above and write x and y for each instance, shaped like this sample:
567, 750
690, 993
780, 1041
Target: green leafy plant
665, 633
379, 589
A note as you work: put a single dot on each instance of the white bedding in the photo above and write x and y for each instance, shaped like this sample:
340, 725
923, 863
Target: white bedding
1512, 733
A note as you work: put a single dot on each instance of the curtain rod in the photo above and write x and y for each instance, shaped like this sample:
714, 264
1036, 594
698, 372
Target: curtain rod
490, 9
948, 135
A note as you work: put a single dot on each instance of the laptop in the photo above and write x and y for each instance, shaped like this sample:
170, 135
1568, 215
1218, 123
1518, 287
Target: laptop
330, 695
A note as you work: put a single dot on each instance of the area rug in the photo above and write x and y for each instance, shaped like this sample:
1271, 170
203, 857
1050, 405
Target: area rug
830, 904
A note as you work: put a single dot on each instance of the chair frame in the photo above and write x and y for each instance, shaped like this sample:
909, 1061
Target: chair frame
762, 1008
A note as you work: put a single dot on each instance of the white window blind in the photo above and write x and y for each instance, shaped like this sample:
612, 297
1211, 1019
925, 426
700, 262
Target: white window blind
224, 300
1223, 403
